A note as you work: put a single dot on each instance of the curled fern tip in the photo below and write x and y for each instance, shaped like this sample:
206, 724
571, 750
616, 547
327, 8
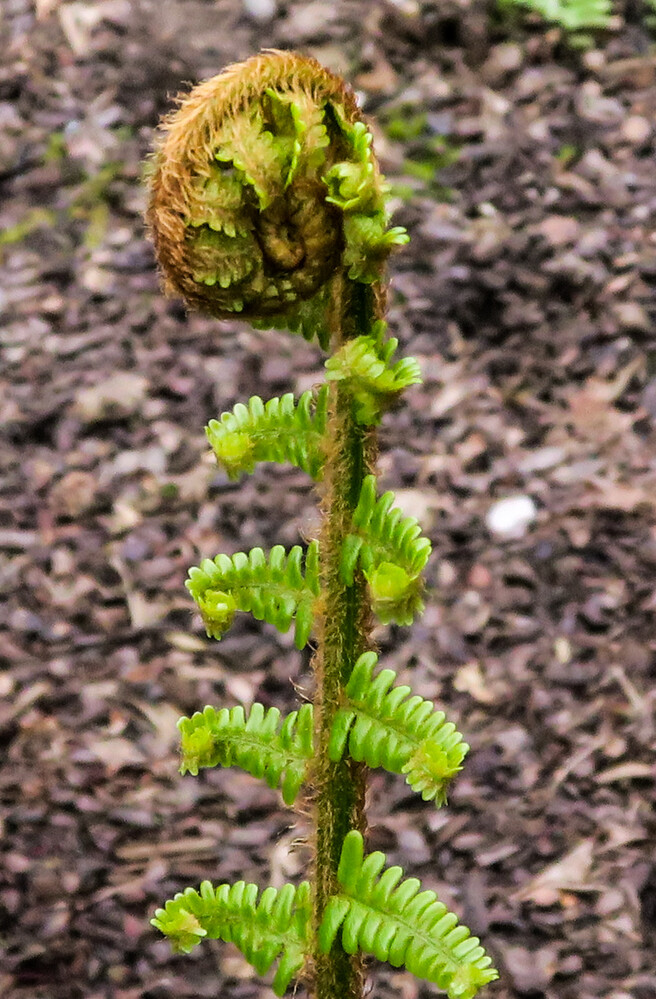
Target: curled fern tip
264, 184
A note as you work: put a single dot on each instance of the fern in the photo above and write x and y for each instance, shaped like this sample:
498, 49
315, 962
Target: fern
366, 364
258, 744
384, 727
276, 926
391, 552
396, 922
266, 201
274, 590
282, 430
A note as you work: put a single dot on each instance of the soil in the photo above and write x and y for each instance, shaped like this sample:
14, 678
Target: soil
522, 164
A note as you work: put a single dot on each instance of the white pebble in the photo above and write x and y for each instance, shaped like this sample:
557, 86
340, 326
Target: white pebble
510, 517
260, 10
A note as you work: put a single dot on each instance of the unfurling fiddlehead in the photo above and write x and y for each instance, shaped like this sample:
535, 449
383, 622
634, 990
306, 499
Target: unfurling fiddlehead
263, 185
267, 203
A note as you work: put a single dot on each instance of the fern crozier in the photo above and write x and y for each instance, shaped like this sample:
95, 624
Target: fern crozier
263, 185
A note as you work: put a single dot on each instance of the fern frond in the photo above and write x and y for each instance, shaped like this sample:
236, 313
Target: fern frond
391, 552
258, 744
396, 922
283, 429
383, 726
276, 589
365, 363
276, 926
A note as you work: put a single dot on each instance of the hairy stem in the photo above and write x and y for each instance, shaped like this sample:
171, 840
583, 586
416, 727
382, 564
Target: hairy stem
344, 635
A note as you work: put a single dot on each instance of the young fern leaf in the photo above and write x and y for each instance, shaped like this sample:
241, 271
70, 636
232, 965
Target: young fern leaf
276, 926
383, 726
283, 429
273, 589
396, 922
258, 744
391, 552
365, 363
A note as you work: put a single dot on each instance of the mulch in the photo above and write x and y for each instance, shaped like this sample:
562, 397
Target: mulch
522, 166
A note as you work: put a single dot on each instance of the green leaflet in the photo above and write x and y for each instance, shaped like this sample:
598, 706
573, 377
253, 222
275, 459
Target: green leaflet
277, 589
396, 922
306, 318
259, 157
353, 184
220, 204
383, 726
299, 123
276, 926
283, 429
355, 187
391, 552
365, 364
222, 260
258, 744
368, 245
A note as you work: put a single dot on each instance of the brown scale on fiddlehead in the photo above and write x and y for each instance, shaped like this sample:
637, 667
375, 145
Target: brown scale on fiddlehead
263, 184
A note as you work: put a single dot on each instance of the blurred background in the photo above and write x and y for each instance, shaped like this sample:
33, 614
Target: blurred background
519, 142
